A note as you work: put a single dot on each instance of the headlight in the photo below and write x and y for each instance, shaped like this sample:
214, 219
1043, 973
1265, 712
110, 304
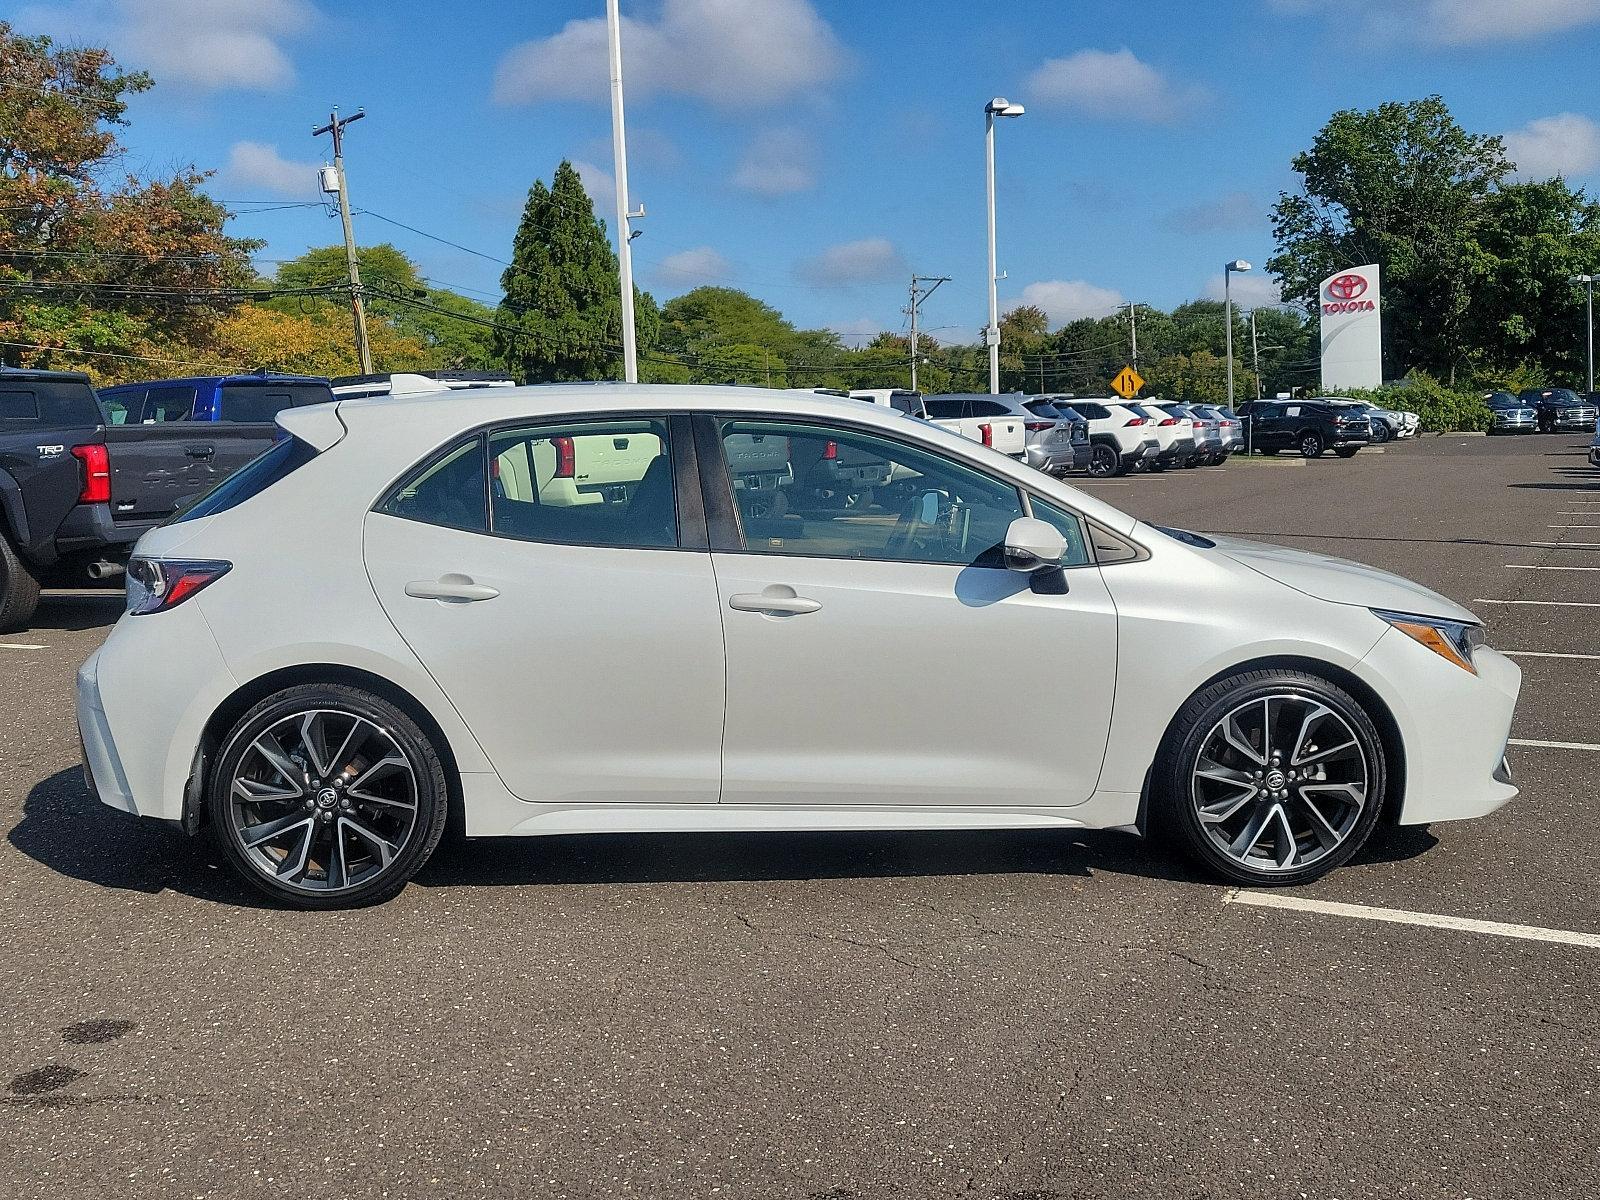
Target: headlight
1453, 640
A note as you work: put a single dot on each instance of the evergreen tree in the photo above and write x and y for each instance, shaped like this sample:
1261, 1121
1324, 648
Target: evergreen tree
561, 295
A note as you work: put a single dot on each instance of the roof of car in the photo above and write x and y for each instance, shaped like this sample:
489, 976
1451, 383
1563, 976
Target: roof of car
213, 380
39, 374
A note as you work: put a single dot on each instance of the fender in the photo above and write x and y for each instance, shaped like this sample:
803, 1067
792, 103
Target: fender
16, 512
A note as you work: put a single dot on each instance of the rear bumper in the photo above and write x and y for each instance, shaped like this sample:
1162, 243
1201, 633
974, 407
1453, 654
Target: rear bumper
91, 527
1053, 460
102, 769
1180, 449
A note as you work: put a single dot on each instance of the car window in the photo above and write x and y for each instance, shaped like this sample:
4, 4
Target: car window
448, 490
849, 494
943, 408
591, 483
165, 404
1043, 409
1091, 412
260, 403
120, 404
1071, 527
990, 408
906, 402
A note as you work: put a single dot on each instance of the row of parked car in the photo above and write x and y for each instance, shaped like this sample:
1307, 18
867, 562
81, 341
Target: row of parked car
1542, 410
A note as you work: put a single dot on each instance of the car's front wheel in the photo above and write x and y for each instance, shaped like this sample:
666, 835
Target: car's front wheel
1311, 444
1270, 778
326, 796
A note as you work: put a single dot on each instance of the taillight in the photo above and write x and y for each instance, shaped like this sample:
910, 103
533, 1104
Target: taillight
1037, 426
157, 584
566, 459
830, 450
1132, 423
96, 465
986, 432
1169, 421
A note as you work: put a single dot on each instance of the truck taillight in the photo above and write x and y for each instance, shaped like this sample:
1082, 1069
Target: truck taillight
986, 432
566, 459
95, 462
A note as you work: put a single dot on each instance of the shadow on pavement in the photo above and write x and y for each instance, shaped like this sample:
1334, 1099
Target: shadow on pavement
75, 612
72, 833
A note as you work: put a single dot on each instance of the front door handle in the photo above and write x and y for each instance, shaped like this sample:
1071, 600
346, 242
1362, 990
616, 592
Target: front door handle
454, 589
779, 599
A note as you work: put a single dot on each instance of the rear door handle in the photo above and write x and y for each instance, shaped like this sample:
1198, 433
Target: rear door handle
776, 599
456, 589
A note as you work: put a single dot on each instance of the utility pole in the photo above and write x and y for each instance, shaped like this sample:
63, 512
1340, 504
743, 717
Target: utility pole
619, 154
1133, 331
1255, 352
919, 293
1588, 283
358, 308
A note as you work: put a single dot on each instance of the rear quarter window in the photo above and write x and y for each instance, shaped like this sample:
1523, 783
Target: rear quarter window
254, 403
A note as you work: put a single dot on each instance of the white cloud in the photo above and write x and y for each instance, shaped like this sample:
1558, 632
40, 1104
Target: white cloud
206, 45
1066, 300
859, 332
732, 53
1455, 22
601, 185
1113, 85
1566, 144
870, 260
691, 268
1255, 289
1236, 210
259, 167
778, 162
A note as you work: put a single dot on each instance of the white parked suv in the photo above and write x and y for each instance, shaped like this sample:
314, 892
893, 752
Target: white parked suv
1174, 433
899, 399
1000, 422
370, 630
1120, 438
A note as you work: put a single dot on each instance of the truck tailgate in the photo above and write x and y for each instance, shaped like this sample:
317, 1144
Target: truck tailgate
156, 468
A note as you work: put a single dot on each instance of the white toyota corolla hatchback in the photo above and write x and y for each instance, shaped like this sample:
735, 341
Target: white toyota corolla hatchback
590, 609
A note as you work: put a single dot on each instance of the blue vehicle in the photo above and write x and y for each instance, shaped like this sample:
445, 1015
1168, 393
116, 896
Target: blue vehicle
245, 399
171, 439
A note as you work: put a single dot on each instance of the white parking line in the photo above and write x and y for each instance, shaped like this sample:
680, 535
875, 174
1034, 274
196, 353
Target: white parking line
1399, 916
1551, 745
1544, 603
1574, 526
1542, 567
1546, 654
1568, 545
21, 646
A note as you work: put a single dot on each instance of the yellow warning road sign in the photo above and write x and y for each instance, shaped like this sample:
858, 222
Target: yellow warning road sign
1127, 383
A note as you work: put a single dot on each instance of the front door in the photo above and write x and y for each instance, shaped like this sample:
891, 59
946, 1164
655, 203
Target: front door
549, 581
881, 654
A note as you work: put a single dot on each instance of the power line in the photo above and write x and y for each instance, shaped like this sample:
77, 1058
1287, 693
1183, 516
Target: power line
367, 212
182, 362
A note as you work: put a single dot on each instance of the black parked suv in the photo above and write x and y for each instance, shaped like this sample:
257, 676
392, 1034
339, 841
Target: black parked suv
1312, 427
1561, 409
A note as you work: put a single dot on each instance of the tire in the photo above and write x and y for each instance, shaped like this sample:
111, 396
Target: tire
1104, 462
1381, 432
1347, 451
350, 799
1217, 736
1311, 444
19, 589
1155, 468
1191, 462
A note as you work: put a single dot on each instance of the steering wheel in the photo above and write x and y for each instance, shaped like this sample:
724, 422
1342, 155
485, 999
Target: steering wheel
918, 529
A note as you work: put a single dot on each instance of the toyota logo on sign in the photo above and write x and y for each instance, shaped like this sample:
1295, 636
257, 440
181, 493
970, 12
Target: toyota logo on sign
1347, 287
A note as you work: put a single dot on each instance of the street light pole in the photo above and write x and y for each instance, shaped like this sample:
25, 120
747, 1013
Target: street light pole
619, 152
1228, 269
998, 107
1255, 352
1588, 283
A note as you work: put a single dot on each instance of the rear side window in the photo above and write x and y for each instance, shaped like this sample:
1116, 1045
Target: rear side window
48, 402
944, 409
1091, 412
449, 490
165, 404
594, 483
254, 403
906, 402
250, 480
990, 408
122, 405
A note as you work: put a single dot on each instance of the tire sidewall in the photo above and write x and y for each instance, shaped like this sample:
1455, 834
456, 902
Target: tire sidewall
432, 791
1103, 461
1311, 445
1174, 807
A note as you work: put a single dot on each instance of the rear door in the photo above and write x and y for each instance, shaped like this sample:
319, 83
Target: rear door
580, 641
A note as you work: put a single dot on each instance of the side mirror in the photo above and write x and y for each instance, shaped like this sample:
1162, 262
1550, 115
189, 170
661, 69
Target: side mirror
1034, 545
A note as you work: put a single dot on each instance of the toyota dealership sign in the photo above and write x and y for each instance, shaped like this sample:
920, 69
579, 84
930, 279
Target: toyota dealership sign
1352, 332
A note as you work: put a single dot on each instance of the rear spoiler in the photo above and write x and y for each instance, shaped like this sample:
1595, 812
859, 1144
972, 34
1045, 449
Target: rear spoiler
318, 425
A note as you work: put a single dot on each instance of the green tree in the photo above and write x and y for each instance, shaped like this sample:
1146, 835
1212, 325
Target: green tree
561, 306
92, 260
1402, 185
459, 336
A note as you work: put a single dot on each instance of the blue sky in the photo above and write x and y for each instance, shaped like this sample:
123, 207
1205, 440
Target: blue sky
815, 152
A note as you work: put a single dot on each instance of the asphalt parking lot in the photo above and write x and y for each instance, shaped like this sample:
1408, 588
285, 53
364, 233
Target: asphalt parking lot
1008, 1015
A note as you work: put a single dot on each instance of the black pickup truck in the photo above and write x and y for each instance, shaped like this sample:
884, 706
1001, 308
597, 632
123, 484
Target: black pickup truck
75, 493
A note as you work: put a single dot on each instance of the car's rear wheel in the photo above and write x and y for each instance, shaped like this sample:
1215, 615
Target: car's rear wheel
19, 589
1381, 432
1311, 444
1270, 778
326, 796
1104, 461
